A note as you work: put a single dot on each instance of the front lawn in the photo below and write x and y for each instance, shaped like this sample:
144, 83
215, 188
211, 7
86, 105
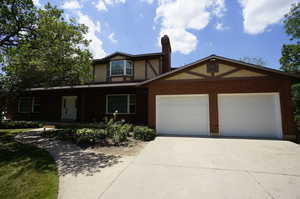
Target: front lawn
25, 171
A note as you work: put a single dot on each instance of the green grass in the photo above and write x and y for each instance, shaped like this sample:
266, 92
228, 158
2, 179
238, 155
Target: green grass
25, 171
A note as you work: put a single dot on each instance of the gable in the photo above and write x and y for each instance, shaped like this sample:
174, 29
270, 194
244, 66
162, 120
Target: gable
224, 71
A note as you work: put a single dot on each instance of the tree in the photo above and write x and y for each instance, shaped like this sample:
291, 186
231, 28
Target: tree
290, 59
55, 55
253, 60
17, 20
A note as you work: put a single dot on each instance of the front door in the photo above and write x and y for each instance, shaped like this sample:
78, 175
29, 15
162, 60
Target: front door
69, 109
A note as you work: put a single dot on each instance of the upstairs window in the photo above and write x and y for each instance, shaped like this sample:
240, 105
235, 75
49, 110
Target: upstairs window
121, 68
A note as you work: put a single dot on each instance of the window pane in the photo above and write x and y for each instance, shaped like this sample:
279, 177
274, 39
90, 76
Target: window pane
129, 68
117, 103
25, 105
117, 67
132, 108
36, 105
132, 103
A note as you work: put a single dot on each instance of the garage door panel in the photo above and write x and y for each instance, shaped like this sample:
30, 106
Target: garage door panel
250, 115
182, 115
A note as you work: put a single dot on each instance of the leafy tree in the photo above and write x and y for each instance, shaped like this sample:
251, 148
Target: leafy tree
292, 22
55, 55
17, 20
290, 60
253, 60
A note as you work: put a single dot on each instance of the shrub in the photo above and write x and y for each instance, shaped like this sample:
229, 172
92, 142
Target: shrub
19, 124
49, 133
90, 136
100, 125
144, 133
66, 134
62, 134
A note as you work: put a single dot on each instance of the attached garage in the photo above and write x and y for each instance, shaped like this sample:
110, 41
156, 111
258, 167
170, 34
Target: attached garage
250, 115
182, 115
217, 96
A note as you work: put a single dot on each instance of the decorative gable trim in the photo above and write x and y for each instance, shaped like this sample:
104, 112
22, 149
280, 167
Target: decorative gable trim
263, 71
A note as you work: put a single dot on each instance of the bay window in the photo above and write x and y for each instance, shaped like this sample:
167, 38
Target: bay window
121, 68
124, 104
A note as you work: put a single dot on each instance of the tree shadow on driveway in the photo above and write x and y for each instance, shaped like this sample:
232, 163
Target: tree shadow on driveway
70, 158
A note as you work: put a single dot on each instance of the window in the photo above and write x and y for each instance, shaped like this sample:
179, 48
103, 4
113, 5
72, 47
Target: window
25, 105
29, 105
121, 67
36, 105
122, 103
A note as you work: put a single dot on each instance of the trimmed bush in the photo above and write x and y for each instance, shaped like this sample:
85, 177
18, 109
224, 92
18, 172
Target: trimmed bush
90, 136
100, 125
144, 133
62, 134
19, 124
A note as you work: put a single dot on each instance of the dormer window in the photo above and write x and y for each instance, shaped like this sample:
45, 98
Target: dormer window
121, 68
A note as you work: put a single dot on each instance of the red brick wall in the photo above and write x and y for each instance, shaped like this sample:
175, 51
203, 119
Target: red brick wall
246, 85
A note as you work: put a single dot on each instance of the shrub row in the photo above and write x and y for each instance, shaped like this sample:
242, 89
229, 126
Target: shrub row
116, 132
19, 124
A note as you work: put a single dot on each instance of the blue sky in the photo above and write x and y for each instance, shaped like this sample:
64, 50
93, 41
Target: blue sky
197, 28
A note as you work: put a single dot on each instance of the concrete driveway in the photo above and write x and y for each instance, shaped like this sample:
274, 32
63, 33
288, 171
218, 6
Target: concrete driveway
177, 167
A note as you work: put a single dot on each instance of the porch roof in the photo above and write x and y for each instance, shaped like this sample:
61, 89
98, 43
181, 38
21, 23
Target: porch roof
86, 86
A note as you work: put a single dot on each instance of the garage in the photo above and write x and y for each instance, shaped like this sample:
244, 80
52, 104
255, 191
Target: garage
182, 115
222, 97
250, 115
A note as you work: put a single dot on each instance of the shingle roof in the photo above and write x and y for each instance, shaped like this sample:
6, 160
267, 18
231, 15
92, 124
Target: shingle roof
253, 66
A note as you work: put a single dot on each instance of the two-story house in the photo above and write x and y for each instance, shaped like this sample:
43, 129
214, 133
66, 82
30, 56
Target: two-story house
213, 96
114, 88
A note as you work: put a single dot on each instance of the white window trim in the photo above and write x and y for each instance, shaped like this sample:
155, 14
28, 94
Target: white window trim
124, 68
128, 104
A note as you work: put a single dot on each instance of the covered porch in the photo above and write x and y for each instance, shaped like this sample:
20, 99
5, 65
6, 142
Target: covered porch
83, 104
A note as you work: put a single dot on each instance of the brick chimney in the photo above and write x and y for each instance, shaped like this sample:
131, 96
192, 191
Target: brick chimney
166, 50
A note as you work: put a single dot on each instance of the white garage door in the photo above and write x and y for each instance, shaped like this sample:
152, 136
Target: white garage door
250, 115
182, 114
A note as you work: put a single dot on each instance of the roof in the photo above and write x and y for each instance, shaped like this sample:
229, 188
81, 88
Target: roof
86, 86
253, 66
135, 57
173, 71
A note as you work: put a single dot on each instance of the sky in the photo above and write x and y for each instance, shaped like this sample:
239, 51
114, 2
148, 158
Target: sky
196, 28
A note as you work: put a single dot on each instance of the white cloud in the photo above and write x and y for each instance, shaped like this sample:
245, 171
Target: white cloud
258, 15
112, 2
179, 16
111, 37
220, 26
100, 5
96, 45
148, 1
73, 4
36, 2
